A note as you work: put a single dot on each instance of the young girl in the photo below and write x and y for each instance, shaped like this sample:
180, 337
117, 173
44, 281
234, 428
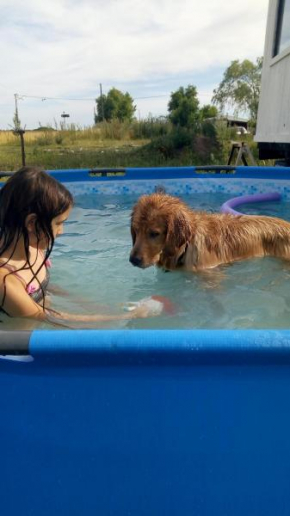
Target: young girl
33, 208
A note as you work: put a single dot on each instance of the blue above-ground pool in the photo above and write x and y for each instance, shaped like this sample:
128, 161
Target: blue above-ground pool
148, 422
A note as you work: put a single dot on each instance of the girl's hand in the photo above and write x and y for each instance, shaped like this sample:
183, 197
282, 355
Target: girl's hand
147, 307
142, 312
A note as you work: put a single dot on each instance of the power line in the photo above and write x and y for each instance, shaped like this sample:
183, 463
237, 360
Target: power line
44, 97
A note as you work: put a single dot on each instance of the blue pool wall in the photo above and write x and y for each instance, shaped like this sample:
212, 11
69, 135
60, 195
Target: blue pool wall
178, 180
188, 424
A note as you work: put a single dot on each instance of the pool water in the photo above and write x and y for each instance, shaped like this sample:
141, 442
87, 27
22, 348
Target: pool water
91, 263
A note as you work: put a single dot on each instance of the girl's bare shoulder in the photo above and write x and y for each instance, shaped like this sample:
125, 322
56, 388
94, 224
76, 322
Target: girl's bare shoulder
9, 276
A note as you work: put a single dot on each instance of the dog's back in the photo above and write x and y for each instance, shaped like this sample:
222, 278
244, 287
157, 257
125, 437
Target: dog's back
195, 240
227, 238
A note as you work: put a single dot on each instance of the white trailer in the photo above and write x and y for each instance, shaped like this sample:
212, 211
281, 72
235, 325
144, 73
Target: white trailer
273, 124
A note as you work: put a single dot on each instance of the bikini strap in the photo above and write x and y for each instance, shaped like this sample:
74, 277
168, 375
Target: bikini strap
47, 262
11, 269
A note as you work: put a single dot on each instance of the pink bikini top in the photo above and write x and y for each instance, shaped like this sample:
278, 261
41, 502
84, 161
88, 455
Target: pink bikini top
35, 292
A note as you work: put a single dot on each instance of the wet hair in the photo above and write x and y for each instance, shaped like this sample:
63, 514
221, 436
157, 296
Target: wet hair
30, 190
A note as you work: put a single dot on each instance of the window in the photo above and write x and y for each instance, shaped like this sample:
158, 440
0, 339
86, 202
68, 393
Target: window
282, 35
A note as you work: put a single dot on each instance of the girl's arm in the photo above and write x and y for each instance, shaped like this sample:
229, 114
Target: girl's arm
18, 303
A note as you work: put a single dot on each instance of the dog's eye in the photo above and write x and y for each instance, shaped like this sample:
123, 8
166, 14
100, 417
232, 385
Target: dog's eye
154, 234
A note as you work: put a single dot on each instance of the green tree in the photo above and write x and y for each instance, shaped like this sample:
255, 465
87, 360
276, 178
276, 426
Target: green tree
114, 105
183, 107
240, 86
208, 111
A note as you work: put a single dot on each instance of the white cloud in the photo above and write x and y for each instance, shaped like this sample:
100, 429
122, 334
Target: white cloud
65, 48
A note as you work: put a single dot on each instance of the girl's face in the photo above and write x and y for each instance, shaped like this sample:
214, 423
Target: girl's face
57, 223
56, 226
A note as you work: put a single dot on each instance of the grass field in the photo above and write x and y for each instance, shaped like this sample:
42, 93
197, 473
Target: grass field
111, 145
66, 149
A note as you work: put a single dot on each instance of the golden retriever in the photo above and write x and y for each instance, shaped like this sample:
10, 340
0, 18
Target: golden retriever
167, 233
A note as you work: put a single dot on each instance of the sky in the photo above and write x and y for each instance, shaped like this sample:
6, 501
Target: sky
56, 50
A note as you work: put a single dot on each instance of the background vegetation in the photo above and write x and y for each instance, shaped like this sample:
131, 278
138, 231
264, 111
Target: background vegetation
189, 135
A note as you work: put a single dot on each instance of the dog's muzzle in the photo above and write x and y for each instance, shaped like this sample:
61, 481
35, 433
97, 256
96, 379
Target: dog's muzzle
137, 262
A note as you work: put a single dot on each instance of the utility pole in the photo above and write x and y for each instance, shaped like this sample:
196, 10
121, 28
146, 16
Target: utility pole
21, 133
17, 129
16, 105
16, 115
102, 103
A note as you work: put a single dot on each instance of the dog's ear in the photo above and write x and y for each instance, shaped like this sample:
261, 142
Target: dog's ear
179, 232
133, 233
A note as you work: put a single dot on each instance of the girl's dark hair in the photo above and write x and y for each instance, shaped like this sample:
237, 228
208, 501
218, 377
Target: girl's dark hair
30, 190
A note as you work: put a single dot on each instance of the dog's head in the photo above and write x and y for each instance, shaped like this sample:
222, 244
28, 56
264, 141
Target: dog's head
161, 227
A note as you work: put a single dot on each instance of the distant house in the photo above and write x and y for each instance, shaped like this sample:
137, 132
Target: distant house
273, 123
234, 121
240, 124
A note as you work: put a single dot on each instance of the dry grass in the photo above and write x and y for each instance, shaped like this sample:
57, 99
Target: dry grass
70, 148
8, 138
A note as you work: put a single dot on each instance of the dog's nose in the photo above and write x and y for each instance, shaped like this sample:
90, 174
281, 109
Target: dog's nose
137, 262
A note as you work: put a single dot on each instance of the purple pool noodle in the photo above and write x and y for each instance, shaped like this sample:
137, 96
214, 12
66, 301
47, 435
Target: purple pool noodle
228, 206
